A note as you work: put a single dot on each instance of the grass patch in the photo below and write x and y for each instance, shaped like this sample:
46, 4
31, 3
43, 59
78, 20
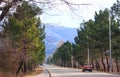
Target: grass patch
33, 73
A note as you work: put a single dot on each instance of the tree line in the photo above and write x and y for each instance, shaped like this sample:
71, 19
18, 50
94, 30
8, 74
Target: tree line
93, 36
22, 45
21, 39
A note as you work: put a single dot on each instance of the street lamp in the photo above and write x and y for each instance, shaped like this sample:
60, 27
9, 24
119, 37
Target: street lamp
110, 42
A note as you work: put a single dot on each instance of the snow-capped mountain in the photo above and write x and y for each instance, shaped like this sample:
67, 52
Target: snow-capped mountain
56, 35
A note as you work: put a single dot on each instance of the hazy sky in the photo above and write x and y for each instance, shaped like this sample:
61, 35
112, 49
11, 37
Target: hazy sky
61, 14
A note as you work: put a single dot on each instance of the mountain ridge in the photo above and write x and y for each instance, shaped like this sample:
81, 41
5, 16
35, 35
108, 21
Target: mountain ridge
56, 34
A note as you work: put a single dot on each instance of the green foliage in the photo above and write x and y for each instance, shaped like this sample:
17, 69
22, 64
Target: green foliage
27, 11
27, 34
95, 36
115, 12
63, 53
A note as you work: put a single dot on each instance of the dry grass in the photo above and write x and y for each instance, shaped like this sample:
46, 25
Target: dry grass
7, 74
33, 73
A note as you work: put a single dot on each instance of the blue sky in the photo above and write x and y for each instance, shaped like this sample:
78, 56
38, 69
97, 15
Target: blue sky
61, 14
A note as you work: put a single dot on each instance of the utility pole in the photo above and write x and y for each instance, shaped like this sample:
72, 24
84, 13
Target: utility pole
88, 56
72, 61
88, 52
110, 42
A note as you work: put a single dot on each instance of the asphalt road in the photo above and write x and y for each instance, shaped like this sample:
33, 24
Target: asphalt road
70, 72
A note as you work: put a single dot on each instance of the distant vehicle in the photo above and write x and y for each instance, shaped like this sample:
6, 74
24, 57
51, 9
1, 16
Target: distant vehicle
87, 67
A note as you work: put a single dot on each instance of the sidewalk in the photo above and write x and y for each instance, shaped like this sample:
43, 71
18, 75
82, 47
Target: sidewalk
44, 73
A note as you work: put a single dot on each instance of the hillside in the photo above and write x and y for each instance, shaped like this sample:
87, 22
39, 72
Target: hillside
55, 35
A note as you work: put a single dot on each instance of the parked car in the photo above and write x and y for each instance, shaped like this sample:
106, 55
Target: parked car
87, 67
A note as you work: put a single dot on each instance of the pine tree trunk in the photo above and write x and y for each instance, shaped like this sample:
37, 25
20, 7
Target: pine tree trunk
107, 63
92, 64
25, 68
97, 64
19, 68
117, 65
76, 63
25, 56
66, 63
60, 62
104, 68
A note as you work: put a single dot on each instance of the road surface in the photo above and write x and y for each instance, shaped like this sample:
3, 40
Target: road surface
70, 72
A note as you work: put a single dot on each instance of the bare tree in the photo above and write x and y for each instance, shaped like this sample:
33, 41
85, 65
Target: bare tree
9, 5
